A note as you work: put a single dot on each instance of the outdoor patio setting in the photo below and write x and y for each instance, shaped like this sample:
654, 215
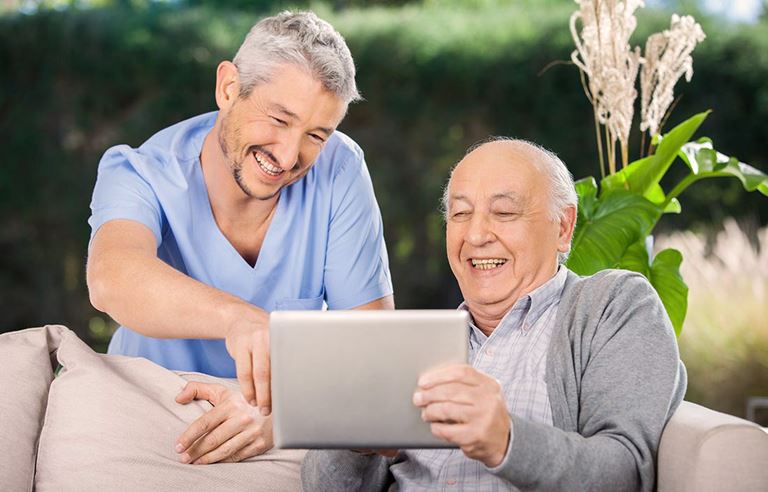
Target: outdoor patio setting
339, 160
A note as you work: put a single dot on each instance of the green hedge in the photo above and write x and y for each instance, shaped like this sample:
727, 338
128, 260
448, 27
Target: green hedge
74, 83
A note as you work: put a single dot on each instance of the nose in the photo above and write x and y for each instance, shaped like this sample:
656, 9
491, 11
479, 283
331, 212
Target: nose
479, 232
287, 151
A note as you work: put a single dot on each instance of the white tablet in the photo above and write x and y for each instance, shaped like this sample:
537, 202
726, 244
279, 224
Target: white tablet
345, 379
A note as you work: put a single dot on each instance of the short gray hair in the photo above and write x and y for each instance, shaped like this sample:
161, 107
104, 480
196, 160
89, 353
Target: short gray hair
562, 191
303, 39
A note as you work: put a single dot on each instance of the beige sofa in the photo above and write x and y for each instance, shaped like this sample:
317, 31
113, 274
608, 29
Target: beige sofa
109, 423
703, 450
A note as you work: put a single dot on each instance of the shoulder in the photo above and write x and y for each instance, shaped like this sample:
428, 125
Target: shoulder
599, 306
166, 153
341, 157
605, 286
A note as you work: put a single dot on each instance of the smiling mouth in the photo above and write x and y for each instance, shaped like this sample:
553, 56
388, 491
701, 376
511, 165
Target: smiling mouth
266, 166
487, 263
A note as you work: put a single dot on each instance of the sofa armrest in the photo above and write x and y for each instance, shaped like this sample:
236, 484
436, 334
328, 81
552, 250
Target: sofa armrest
704, 450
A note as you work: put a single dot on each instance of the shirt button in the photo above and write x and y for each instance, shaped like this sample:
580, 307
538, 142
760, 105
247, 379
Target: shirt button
489, 352
450, 481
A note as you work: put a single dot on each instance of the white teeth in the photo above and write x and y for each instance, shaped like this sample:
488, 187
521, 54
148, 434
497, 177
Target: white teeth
266, 166
488, 264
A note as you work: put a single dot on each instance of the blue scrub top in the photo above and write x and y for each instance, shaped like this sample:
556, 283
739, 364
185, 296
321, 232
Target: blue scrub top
325, 243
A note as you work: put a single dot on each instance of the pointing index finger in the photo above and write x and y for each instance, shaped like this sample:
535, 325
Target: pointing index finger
261, 371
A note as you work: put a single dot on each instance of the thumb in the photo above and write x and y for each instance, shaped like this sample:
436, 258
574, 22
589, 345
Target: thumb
195, 390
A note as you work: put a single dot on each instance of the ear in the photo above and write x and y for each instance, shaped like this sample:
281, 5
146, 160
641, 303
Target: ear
227, 85
567, 224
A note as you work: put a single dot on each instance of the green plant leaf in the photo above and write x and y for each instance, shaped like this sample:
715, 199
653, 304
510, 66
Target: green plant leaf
664, 276
669, 284
607, 227
586, 189
635, 259
641, 175
656, 195
705, 162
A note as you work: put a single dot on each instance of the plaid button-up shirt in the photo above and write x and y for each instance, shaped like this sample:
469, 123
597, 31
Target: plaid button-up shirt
516, 355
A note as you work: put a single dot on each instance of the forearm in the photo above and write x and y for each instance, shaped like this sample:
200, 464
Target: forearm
154, 299
543, 457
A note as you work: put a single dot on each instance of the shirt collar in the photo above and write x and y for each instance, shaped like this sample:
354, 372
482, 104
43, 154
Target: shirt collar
529, 308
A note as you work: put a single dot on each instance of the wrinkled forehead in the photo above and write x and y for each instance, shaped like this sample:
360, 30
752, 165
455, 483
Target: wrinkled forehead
498, 170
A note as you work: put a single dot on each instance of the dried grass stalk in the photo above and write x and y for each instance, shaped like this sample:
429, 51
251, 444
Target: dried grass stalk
601, 30
667, 58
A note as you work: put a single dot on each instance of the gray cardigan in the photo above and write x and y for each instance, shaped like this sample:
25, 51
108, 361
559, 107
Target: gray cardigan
614, 378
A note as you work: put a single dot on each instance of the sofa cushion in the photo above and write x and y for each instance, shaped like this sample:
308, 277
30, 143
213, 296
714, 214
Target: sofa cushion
26, 371
703, 450
112, 423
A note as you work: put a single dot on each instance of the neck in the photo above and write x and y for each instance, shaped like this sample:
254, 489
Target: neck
488, 316
228, 201
486, 321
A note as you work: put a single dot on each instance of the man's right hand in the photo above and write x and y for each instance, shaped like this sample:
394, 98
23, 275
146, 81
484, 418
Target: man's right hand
231, 431
247, 341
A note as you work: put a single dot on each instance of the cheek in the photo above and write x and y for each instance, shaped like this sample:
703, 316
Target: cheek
453, 241
308, 155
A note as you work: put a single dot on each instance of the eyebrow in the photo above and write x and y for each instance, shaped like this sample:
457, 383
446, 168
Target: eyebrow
293, 116
509, 195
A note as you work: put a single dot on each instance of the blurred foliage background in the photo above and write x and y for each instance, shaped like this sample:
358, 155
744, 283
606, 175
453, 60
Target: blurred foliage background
77, 77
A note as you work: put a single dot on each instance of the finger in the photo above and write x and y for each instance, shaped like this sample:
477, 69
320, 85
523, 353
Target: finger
463, 373
444, 412
453, 392
245, 373
195, 390
261, 371
186, 395
220, 445
453, 433
256, 448
204, 424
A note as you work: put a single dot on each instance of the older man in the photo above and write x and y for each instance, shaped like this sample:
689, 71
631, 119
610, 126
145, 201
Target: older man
571, 379
217, 220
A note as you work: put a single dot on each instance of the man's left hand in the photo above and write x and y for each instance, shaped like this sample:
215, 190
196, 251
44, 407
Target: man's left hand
466, 407
232, 431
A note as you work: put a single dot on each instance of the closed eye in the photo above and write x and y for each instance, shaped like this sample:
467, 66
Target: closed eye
279, 121
317, 138
506, 215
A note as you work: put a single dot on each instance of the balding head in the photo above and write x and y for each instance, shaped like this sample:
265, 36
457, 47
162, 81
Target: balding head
560, 186
510, 209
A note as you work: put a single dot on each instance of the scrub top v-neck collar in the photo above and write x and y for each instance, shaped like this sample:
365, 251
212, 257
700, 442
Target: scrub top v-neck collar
276, 227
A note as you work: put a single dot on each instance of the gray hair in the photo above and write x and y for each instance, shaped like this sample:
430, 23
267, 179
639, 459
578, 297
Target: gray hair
303, 39
562, 191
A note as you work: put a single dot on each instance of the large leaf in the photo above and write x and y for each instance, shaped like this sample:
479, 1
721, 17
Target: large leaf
705, 162
656, 195
673, 291
664, 275
642, 175
607, 227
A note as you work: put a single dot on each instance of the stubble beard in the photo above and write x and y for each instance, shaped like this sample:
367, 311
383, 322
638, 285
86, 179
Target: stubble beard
236, 167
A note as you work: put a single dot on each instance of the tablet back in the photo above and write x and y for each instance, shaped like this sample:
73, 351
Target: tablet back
345, 379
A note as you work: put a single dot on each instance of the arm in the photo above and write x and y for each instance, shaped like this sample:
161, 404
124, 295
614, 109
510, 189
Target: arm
128, 281
631, 381
124, 273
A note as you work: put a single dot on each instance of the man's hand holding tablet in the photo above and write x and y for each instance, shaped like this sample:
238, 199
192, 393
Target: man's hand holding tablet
466, 407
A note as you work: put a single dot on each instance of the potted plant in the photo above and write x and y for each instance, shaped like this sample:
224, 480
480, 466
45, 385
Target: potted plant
617, 216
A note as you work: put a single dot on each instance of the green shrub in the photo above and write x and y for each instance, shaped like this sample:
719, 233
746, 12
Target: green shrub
75, 82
